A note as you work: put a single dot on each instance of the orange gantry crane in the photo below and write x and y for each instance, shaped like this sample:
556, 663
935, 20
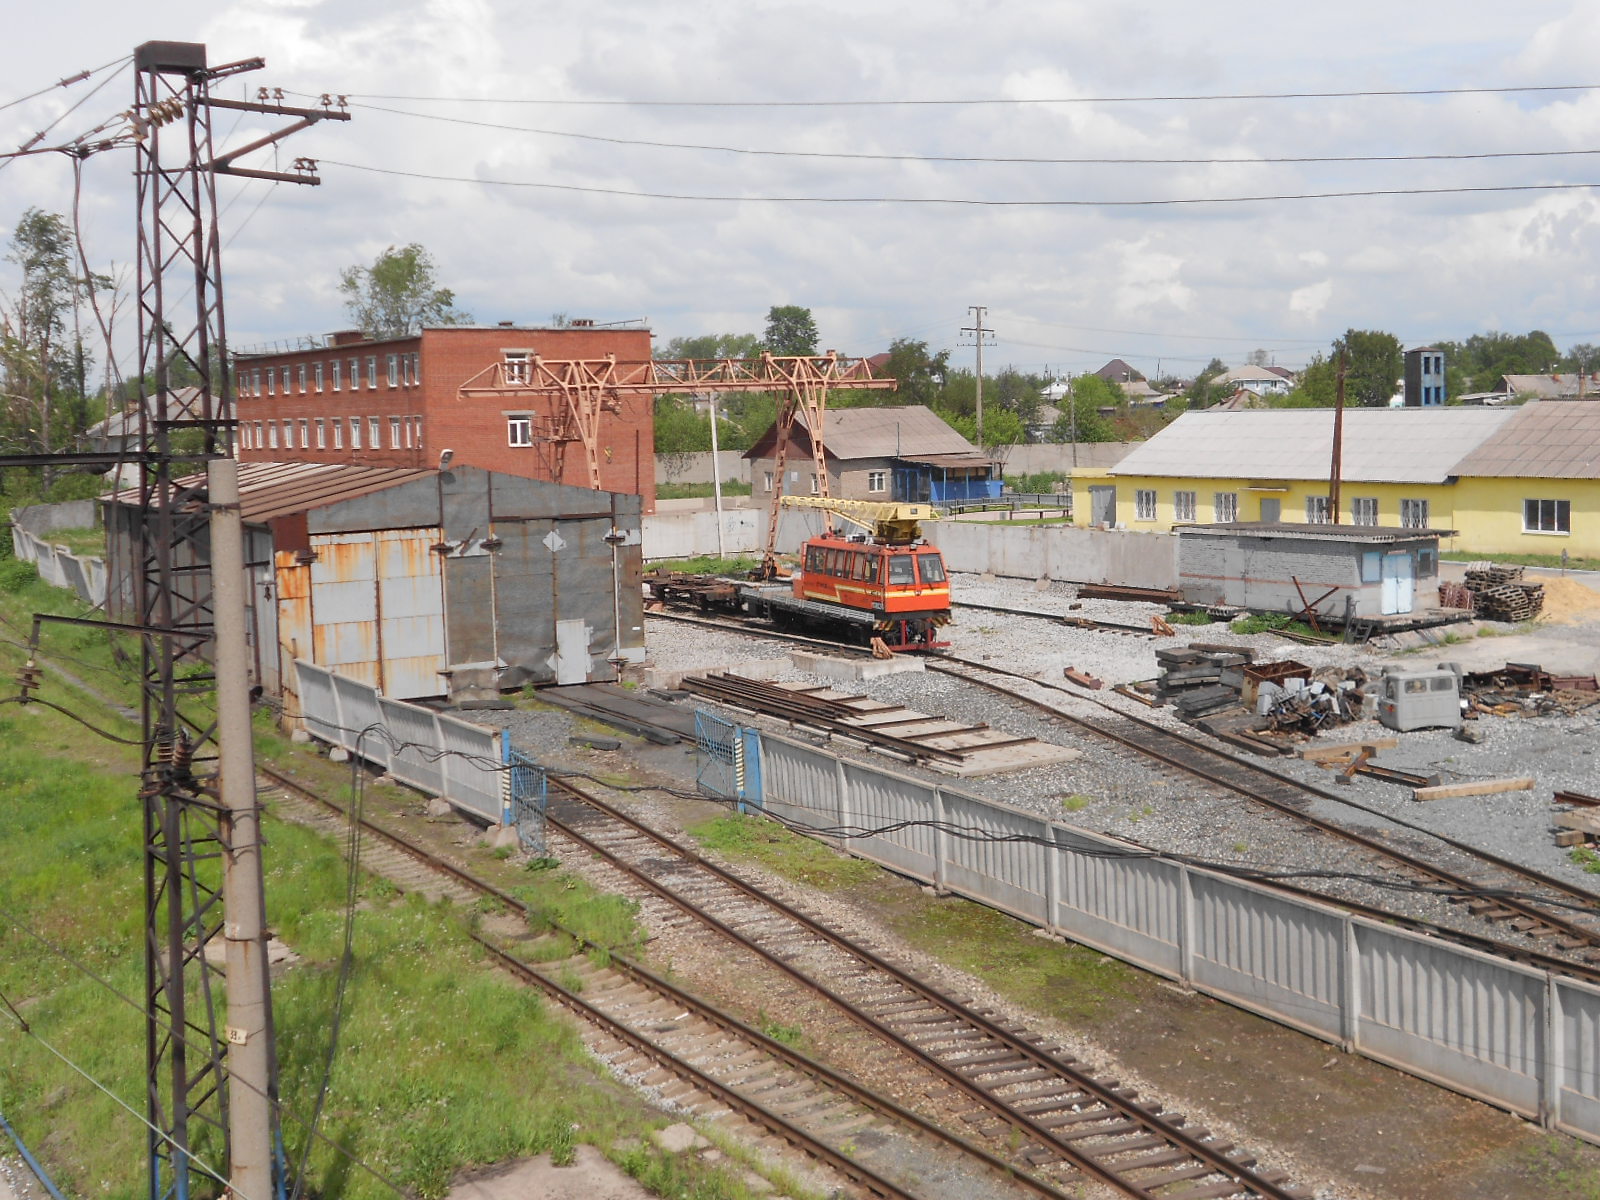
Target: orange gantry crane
577, 391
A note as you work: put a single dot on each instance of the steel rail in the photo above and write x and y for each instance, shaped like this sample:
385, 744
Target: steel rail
1212, 1156
1073, 622
1468, 888
797, 1061
1493, 946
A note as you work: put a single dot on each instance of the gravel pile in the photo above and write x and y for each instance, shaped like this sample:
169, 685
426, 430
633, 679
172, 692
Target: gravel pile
1113, 792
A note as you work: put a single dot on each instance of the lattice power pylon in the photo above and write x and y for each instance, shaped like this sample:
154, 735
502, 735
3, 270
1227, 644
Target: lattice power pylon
201, 838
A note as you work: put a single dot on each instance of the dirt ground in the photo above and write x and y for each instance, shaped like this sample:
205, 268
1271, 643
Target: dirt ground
590, 1177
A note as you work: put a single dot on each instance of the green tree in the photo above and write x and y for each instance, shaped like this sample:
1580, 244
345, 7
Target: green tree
1373, 366
1316, 387
1085, 398
680, 429
711, 345
1479, 363
399, 294
790, 330
922, 375
1205, 390
1000, 427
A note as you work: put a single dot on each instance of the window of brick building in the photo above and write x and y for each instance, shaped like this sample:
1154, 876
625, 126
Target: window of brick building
355, 373
300, 377
244, 437
391, 365
322, 434
374, 434
406, 426
288, 434
255, 381
372, 371
285, 381
272, 434
519, 429
317, 376
305, 434
272, 382
394, 433
415, 358
338, 433
335, 365
516, 366
355, 433
877, 481
416, 431
259, 442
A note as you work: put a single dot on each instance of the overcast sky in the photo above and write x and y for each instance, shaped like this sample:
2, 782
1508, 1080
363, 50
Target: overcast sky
489, 85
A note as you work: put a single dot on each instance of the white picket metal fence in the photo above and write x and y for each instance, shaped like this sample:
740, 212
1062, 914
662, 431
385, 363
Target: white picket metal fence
433, 752
1516, 1037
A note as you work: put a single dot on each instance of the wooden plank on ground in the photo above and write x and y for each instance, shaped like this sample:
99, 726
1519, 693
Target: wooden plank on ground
1314, 753
1585, 821
1475, 787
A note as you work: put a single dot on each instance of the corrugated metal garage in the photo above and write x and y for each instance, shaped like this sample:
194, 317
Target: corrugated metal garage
424, 583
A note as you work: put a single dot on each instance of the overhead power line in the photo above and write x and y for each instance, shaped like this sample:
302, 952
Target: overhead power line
962, 202
994, 101
1020, 160
67, 82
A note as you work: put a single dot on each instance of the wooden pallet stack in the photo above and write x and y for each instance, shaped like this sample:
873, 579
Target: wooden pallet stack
1501, 594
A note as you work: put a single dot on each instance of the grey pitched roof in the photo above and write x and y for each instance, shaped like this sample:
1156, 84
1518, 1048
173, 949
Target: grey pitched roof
1550, 387
890, 432
1548, 439
1381, 445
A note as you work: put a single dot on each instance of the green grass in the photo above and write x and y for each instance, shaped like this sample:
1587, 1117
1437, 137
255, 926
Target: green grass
1188, 618
788, 854
443, 1063
1069, 982
708, 564
695, 491
1575, 563
1273, 623
1022, 520
82, 542
1075, 803
1586, 858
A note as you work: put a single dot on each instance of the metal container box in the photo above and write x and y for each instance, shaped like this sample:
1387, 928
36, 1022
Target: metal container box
1427, 699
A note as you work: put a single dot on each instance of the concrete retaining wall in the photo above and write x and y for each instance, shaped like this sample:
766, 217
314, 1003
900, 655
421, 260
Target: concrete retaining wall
40, 519
1059, 552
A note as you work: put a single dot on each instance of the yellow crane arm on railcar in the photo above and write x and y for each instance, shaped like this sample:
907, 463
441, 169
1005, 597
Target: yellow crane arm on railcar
887, 521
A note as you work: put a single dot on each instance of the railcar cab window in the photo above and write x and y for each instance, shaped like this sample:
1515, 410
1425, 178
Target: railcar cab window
931, 567
900, 569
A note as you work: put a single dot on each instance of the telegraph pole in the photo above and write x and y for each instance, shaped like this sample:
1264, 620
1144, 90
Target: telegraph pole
978, 332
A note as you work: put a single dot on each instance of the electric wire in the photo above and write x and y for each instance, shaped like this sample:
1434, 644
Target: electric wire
1507, 89
963, 202
39, 137
67, 82
1025, 160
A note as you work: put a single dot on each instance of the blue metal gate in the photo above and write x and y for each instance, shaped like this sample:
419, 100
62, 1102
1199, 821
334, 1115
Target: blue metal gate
528, 795
729, 759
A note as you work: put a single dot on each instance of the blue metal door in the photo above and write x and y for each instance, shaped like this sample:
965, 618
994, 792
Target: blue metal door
729, 759
530, 797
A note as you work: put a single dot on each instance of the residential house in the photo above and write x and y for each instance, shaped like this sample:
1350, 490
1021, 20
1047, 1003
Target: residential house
905, 452
1258, 381
394, 402
1557, 386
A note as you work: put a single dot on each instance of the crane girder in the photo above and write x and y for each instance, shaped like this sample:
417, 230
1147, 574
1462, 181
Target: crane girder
887, 520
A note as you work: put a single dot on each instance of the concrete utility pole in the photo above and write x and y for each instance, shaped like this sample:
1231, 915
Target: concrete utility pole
978, 334
1336, 474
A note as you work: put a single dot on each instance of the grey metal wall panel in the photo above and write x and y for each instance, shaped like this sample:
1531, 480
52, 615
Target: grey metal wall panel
1277, 953
413, 739
524, 598
472, 773
874, 800
320, 704
469, 610
1129, 905
1013, 874
1480, 1030
798, 785
360, 719
1578, 1044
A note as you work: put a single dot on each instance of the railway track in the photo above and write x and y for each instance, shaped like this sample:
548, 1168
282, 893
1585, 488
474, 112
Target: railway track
1493, 889
1482, 883
1024, 1097
692, 1054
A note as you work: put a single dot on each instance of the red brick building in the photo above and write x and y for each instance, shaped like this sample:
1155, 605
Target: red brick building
393, 403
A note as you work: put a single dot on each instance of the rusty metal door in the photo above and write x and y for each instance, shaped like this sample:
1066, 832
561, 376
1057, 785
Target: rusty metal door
344, 606
411, 613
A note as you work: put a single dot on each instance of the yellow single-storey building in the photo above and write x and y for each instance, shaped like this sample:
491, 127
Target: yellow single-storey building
1509, 480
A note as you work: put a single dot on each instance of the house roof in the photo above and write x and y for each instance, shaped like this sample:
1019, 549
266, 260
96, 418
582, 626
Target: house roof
1372, 534
1250, 375
1380, 445
271, 490
183, 404
891, 432
1119, 371
1550, 387
1551, 439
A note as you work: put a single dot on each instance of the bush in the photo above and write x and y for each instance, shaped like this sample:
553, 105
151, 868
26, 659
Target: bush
16, 575
1044, 482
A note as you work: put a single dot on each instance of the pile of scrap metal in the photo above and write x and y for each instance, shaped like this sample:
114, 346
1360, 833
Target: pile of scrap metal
1282, 697
1494, 593
1528, 690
